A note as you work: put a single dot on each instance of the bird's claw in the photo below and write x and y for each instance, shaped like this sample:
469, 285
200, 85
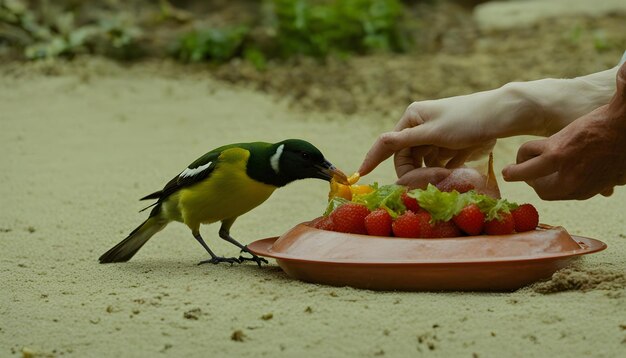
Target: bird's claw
217, 259
254, 258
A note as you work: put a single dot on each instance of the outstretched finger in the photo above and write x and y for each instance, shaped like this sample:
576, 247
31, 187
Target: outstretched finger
529, 170
382, 149
389, 143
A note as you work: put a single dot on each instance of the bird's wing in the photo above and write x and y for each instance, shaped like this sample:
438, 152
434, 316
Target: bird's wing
194, 173
198, 170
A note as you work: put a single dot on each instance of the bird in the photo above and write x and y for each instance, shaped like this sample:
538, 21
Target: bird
222, 185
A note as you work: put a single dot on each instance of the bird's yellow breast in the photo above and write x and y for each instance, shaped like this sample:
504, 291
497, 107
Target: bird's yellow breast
227, 193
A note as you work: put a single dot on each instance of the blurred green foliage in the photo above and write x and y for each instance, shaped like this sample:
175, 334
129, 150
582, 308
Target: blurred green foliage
283, 29
598, 38
302, 27
349, 26
600, 41
53, 32
219, 45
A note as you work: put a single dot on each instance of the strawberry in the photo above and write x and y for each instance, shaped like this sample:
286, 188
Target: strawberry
378, 223
326, 223
445, 229
504, 226
406, 225
350, 218
526, 218
470, 220
410, 203
426, 229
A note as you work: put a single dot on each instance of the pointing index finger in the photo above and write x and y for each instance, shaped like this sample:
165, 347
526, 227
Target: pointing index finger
390, 143
531, 169
532, 163
381, 150
405, 135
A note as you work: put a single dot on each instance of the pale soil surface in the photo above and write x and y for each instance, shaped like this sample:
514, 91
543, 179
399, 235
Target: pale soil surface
82, 143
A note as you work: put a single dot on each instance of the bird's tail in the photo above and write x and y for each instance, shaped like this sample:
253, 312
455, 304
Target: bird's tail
128, 247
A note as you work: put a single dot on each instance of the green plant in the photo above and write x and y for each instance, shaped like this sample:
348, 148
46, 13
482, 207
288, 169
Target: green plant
217, 45
600, 41
574, 35
301, 27
349, 26
54, 32
284, 29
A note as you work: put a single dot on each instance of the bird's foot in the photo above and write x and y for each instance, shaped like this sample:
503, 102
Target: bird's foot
217, 259
254, 258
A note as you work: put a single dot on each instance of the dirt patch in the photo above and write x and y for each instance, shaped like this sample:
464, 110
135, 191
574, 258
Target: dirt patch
577, 279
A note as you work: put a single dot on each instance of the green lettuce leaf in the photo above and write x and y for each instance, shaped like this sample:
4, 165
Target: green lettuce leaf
441, 205
334, 203
388, 197
491, 207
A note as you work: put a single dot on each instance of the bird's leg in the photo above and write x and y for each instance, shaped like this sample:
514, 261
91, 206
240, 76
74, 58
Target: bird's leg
214, 258
225, 234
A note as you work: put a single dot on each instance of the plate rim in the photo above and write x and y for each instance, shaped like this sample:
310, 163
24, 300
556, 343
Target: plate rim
593, 246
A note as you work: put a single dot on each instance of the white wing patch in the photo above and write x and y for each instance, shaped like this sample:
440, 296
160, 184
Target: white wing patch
191, 172
275, 159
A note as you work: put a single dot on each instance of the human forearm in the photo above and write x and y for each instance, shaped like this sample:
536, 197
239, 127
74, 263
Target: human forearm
555, 103
451, 131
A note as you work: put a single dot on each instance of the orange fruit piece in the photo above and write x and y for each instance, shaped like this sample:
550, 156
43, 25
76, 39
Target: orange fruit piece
352, 179
346, 191
360, 189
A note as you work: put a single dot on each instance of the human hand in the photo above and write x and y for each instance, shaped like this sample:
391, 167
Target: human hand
448, 132
586, 158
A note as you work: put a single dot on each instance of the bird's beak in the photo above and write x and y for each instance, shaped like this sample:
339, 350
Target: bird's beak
327, 171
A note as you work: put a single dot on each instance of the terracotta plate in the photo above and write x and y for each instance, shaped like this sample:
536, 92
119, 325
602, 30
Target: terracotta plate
476, 263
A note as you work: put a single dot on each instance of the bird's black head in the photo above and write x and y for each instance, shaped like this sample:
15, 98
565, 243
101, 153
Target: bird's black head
294, 159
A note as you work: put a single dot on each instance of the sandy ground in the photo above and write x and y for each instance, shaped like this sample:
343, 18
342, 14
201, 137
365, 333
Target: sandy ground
80, 146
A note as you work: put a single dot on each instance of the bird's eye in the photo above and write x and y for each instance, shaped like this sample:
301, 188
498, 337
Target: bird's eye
305, 155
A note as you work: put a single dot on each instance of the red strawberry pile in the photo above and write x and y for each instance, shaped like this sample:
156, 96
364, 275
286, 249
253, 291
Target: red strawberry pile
391, 210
